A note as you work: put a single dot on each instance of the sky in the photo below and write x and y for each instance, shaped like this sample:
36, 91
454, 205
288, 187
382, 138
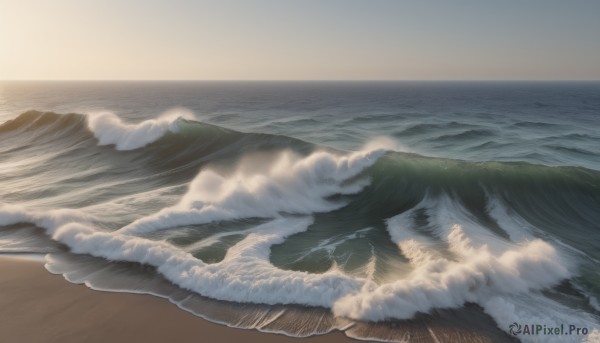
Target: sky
299, 40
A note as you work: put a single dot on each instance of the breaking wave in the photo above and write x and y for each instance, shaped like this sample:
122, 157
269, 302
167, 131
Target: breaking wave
368, 236
108, 128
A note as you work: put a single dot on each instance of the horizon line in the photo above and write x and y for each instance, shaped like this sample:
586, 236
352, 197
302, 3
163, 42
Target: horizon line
300, 80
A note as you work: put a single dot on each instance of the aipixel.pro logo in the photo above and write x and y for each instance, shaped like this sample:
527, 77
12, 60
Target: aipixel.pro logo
517, 329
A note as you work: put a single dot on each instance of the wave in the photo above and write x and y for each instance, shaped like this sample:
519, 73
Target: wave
292, 185
32, 120
446, 283
503, 278
403, 234
476, 274
241, 275
108, 128
276, 167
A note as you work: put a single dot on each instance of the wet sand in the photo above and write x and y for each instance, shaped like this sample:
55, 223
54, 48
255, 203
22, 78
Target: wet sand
36, 306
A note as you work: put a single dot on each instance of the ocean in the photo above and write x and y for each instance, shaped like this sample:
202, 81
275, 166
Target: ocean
414, 211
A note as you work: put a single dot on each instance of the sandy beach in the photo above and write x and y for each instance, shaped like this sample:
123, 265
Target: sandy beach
36, 306
299, 171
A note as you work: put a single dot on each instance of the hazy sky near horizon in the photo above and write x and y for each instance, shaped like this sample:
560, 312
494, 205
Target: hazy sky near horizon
299, 40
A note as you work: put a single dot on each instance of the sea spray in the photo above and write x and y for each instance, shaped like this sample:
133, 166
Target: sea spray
109, 128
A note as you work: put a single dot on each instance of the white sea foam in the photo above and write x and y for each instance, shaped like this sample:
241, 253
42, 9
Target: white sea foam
49, 220
417, 248
506, 284
109, 128
245, 274
492, 272
291, 184
440, 283
444, 212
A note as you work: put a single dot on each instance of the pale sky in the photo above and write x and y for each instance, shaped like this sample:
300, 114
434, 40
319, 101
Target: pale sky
299, 40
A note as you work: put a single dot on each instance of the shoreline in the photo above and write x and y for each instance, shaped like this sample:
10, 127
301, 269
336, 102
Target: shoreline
37, 306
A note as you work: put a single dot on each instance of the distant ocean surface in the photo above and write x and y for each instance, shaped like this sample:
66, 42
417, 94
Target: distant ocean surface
415, 211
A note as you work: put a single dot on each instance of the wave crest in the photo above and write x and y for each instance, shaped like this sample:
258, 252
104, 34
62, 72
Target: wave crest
109, 128
291, 184
441, 283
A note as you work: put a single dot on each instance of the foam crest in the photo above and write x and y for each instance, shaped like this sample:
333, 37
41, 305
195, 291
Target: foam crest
386, 143
439, 283
109, 128
245, 275
460, 244
49, 220
291, 184
495, 273
418, 249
